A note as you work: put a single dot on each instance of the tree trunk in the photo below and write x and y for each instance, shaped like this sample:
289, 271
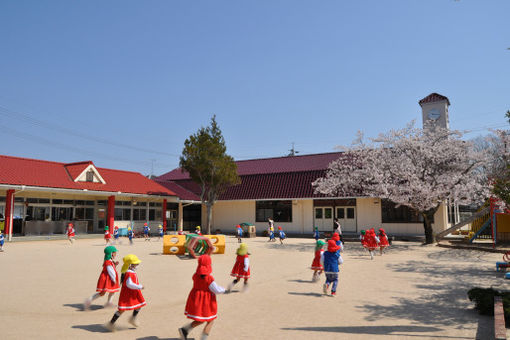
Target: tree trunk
209, 217
428, 217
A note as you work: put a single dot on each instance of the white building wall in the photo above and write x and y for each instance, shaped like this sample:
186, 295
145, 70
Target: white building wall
369, 213
228, 214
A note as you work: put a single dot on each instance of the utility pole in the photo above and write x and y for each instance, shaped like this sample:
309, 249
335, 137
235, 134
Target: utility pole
293, 151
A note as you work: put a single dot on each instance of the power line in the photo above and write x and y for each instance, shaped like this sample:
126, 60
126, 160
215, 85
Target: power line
40, 140
74, 133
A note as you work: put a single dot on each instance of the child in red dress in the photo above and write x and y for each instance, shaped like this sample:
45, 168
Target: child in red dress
108, 281
131, 297
70, 233
107, 235
241, 268
383, 240
316, 264
201, 304
371, 242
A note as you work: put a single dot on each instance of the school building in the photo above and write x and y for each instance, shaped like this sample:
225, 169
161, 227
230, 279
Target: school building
39, 197
280, 188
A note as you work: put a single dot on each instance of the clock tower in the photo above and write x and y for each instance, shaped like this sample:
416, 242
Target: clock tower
434, 110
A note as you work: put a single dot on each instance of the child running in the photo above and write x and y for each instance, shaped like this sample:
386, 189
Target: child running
131, 297
316, 234
2, 240
108, 281
130, 235
281, 235
270, 231
70, 233
241, 268
201, 305
160, 232
331, 259
239, 234
371, 242
383, 240
107, 235
316, 264
116, 234
146, 231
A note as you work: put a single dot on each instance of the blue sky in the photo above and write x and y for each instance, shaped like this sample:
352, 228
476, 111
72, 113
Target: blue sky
124, 83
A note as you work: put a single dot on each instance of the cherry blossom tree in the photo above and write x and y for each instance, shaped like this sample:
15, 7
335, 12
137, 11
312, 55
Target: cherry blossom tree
418, 168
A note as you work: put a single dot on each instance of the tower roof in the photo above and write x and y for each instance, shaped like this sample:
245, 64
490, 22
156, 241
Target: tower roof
433, 97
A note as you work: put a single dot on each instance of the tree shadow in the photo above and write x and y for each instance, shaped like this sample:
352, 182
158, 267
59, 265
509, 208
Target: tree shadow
79, 306
380, 330
442, 299
307, 294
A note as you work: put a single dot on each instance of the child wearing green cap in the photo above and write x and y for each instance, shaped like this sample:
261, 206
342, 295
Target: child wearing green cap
108, 281
107, 235
316, 263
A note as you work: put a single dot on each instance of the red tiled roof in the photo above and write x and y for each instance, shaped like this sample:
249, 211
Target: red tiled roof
270, 165
434, 97
40, 173
180, 191
270, 178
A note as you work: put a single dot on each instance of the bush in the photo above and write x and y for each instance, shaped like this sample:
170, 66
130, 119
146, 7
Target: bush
484, 301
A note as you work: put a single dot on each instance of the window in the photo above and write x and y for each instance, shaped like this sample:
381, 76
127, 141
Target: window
278, 211
152, 214
350, 213
61, 214
122, 214
402, 214
139, 214
90, 176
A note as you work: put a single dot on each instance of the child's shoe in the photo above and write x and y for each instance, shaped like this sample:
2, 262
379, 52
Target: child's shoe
110, 326
183, 333
325, 288
109, 305
245, 287
133, 321
333, 294
87, 303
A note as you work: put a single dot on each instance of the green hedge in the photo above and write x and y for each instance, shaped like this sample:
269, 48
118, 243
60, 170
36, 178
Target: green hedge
484, 301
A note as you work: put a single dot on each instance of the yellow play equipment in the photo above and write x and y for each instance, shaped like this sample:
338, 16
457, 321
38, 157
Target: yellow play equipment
178, 244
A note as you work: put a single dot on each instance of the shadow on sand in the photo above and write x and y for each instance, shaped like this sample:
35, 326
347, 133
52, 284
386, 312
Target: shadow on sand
380, 330
307, 294
79, 306
157, 338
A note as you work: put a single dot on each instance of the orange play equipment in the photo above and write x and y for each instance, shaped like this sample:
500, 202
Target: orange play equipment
193, 244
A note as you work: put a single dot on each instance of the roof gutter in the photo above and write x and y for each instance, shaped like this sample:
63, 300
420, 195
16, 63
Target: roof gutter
82, 191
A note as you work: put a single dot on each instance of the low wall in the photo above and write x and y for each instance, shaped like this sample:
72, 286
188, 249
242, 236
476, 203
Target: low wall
53, 227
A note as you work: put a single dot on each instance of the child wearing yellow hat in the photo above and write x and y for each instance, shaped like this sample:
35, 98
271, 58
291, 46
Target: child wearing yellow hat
131, 297
130, 235
241, 268
108, 281
197, 230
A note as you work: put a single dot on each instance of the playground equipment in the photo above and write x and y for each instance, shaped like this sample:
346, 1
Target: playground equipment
491, 222
193, 244
249, 229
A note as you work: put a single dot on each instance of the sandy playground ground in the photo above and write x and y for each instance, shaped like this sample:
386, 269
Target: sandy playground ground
411, 292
